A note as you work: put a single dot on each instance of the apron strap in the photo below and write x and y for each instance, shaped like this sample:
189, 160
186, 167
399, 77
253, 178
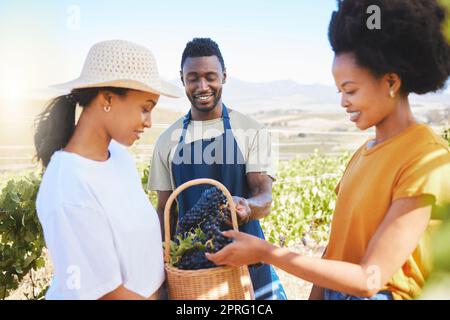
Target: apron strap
229, 143
226, 118
186, 120
188, 116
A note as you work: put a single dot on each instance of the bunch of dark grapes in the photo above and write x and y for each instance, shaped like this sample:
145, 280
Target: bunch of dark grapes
212, 227
211, 200
209, 215
195, 260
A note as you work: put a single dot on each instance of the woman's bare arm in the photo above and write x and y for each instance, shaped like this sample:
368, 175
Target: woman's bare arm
396, 238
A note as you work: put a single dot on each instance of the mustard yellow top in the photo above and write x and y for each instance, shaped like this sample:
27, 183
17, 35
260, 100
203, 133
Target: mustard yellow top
415, 162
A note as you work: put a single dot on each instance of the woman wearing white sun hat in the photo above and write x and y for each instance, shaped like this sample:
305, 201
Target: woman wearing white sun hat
101, 231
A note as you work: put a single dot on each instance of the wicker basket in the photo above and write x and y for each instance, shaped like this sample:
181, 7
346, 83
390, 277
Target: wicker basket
221, 283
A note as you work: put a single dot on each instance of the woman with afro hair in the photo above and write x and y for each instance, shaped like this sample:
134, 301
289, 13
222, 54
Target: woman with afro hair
395, 185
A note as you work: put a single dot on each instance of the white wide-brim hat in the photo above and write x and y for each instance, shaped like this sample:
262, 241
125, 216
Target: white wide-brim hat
123, 64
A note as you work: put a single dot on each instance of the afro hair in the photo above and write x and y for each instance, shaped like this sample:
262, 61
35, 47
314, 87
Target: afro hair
202, 47
410, 42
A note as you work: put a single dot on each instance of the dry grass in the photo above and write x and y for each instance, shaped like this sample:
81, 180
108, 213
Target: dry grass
296, 288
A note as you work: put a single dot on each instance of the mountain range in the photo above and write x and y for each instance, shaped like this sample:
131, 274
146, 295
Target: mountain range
253, 97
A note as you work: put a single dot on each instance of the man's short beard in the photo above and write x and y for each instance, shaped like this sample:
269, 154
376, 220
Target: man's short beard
207, 110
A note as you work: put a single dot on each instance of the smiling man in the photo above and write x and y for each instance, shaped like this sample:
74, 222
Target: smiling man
216, 142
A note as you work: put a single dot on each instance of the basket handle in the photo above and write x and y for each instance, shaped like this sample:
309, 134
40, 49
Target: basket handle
177, 191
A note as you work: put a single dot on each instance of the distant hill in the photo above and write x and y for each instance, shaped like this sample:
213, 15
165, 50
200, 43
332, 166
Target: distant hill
16, 122
281, 95
252, 97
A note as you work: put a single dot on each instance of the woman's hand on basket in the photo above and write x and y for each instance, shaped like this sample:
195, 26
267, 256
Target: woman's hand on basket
243, 211
245, 250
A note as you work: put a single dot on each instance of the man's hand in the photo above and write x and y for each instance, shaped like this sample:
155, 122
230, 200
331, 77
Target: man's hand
243, 211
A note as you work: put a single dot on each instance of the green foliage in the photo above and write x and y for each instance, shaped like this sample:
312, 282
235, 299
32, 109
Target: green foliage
438, 285
304, 199
183, 243
144, 169
21, 238
446, 3
441, 247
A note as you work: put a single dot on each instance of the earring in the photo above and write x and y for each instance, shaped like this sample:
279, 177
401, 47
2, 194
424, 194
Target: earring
392, 93
107, 108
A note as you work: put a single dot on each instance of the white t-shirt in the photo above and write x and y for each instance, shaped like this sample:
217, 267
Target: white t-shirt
99, 226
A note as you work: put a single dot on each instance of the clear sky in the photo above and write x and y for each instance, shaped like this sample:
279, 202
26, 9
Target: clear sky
45, 42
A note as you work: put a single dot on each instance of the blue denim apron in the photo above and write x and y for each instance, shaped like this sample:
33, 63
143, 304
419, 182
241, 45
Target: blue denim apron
228, 167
